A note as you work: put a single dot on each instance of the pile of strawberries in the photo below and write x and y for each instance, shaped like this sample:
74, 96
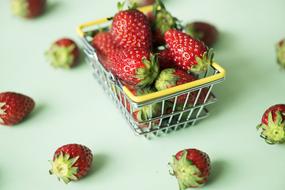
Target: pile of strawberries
154, 51
137, 47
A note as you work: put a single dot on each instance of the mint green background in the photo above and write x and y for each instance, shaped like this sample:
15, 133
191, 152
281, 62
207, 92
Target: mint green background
72, 108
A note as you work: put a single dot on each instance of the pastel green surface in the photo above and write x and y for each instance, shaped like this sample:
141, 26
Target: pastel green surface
72, 107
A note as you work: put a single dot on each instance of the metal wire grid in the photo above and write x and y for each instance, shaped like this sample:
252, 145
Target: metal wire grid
166, 121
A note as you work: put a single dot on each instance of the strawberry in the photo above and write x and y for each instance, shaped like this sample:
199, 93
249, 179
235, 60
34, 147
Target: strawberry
191, 167
165, 59
71, 162
63, 53
161, 22
172, 77
135, 66
141, 3
280, 51
203, 31
104, 44
145, 113
131, 29
14, 107
28, 8
188, 53
273, 124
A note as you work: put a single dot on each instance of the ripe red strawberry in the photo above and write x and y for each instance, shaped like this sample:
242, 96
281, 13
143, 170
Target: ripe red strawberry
63, 53
131, 29
165, 59
280, 51
273, 124
142, 2
71, 162
14, 107
203, 31
191, 167
172, 77
28, 8
104, 44
161, 22
135, 66
188, 53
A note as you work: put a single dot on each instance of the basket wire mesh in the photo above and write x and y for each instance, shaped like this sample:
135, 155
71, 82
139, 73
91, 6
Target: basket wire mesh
169, 118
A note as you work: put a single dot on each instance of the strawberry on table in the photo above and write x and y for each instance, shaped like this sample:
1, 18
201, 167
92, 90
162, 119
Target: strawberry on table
71, 162
28, 8
136, 66
63, 53
280, 51
203, 31
273, 124
191, 167
130, 29
188, 53
104, 44
14, 107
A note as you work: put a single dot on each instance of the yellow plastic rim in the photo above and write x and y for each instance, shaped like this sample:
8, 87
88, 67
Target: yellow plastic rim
169, 91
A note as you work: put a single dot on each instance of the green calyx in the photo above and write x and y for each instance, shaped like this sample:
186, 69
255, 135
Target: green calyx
60, 56
121, 5
62, 167
148, 112
20, 7
280, 50
144, 91
149, 72
187, 174
203, 62
274, 131
163, 19
166, 79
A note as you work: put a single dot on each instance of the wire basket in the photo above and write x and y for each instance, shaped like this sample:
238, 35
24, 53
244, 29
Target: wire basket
171, 116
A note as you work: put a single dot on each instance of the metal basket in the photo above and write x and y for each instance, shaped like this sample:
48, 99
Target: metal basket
169, 118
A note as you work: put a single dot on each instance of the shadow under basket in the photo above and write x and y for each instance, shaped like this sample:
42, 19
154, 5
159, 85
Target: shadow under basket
172, 115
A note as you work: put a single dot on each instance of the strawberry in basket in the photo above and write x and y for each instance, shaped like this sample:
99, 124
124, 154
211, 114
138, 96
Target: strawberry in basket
28, 8
104, 44
130, 29
136, 66
172, 77
145, 113
272, 125
165, 59
203, 31
280, 50
191, 167
188, 53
